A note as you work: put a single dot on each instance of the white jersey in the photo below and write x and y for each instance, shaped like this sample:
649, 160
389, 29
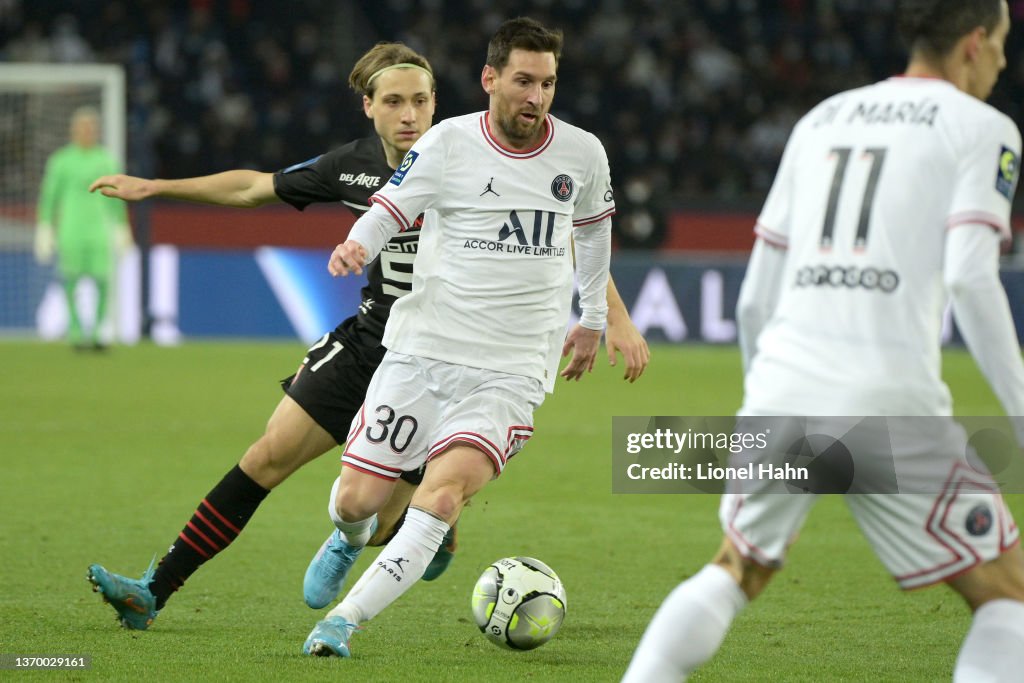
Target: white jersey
492, 280
870, 182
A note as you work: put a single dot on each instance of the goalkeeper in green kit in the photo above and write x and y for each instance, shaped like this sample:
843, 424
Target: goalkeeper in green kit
86, 231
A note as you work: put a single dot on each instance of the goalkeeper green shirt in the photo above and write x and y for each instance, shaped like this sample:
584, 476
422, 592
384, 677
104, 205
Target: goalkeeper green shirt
82, 219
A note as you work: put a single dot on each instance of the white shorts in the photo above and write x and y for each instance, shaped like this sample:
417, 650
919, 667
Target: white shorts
416, 408
921, 538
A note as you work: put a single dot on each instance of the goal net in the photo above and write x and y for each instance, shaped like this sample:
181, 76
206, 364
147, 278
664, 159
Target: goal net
36, 104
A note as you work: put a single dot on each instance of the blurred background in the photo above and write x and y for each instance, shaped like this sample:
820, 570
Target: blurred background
693, 102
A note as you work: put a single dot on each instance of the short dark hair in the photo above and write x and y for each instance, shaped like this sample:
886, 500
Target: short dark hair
934, 26
522, 33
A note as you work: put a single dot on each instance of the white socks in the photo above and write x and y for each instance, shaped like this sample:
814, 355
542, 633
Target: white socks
399, 565
993, 651
354, 533
688, 628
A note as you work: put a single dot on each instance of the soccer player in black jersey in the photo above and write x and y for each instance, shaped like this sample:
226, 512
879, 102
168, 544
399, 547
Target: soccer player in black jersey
322, 397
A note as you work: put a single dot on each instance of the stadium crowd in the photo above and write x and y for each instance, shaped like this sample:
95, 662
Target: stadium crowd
693, 101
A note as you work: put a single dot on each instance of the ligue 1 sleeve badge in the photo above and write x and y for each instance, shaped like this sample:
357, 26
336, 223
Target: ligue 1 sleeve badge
562, 187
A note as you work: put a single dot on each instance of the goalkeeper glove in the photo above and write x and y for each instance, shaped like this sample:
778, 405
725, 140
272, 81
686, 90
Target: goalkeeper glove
45, 244
123, 238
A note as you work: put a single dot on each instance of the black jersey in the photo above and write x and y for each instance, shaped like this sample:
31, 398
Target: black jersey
350, 175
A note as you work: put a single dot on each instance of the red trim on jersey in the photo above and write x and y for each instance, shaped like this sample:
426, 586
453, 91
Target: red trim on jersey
396, 213
485, 128
357, 425
776, 239
770, 237
517, 433
348, 455
1007, 527
979, 218
938, 573
476, 440
372, 473
746, 548
608, 213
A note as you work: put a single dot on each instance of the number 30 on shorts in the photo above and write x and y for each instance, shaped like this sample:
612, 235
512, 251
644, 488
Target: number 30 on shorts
398, 432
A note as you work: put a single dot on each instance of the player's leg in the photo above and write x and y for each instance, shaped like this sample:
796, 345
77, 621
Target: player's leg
450, 479
469, 440
690, 625
307, 422
962, 535
355, 499
292, 439
99, 264
102, 304
994, 647
69, 283
392, 516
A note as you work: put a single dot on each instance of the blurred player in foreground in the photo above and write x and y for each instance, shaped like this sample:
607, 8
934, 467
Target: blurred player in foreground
475, 346
322, 398
889, 199
85, 231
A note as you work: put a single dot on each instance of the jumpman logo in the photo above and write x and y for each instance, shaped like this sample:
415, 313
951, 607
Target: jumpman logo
398, 562
489, 189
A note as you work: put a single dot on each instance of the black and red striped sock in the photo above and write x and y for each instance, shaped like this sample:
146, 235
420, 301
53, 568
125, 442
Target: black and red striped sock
217, 521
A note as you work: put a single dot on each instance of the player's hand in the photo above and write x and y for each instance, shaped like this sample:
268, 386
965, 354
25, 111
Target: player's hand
349, 257
583, 344
123, 240
623, 337
45, 244
120, 186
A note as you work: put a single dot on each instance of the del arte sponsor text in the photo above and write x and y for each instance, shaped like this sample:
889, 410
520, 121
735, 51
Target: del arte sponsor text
705, 472
666, 439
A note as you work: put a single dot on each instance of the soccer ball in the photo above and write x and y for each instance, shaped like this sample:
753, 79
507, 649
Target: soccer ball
519, 603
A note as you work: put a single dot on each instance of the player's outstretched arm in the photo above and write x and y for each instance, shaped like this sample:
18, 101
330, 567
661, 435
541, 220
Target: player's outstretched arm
623, 337
240, 188
582, 343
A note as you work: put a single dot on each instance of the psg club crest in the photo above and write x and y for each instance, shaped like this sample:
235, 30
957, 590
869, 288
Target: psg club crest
562, 187
979, 520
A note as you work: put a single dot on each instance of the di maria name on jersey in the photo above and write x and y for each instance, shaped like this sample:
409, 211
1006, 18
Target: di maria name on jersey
496, 256
870, 184
350, 174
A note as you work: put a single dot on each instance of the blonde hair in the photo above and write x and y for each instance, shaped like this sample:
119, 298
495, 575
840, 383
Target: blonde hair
383, 56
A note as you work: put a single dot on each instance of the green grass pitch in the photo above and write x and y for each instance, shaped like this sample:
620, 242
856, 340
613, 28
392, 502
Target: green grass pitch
104, 457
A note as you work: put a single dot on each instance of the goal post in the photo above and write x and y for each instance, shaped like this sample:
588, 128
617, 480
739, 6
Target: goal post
36, 104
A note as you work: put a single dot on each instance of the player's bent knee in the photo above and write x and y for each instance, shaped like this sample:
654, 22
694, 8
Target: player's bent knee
444, 503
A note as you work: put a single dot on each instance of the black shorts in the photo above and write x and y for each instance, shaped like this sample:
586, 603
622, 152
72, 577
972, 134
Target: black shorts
331, 383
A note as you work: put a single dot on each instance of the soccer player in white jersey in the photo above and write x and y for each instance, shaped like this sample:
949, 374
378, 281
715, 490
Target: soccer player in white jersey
473, 348
890, 200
